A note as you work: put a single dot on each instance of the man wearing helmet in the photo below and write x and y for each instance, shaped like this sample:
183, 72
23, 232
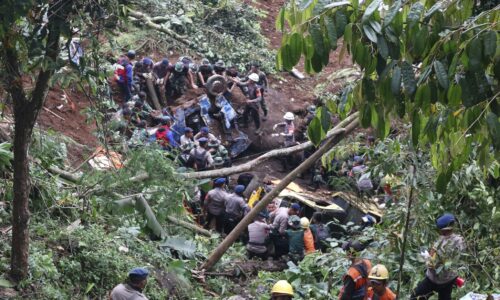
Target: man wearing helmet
378, 289
282, 290
254, 97
444, 253
356, 280
204, 72
178, 77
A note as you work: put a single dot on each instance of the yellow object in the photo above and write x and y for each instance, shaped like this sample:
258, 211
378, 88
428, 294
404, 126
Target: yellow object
304, 222
379, 272
282, 287
255, 196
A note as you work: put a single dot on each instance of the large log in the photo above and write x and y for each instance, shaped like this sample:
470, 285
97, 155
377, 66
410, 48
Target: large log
271, 154
152, 93
233, 235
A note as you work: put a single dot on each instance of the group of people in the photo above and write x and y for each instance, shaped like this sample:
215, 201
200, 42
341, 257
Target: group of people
360, 282
172, 79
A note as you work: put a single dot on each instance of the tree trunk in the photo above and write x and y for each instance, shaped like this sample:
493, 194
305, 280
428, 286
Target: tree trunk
20, 208
26, 111
233, 235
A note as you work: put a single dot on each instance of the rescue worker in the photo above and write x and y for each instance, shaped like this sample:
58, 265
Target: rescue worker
124, 76
236, 208
179, 78
164, 134
204, 72
187, 137
294, 210
214, 205
355, 282
160, 71
262, 82
205, 132
131, 56
320, 231
184, 157
217, 150
218, 162
308, 236
251, 106
201, 156
258, 233
278, 234
378, 289
447, 249
295, 236
220, 68
282, 290
132, 288
289, 129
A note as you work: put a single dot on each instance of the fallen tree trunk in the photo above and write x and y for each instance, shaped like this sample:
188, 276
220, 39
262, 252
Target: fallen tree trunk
152, 93
271, 154
73, 177
190, 226
261, 205
148, 22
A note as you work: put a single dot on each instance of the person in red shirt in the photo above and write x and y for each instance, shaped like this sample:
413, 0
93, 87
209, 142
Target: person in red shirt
378, 289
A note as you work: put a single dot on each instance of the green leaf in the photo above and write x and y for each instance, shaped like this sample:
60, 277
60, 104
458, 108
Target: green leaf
383, 50
454, 95
392, 12
415, 128
184, 247
331, 31
370, 10
370, 33
431, 128
317, 39
396, 80
376, 26
315, 131
423, 94
494, 129
325, 118
366, 115
441, 74
409, 81
280, 20
474, 52
340, 22
489, 43
295, 42
368, 90
308, 47
428, 14
414, 14
442, 180
4, 283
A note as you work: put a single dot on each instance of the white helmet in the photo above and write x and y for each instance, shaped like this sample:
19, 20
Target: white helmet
254, 77
289, 116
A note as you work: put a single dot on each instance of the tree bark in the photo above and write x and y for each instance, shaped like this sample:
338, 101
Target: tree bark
152, 93
233, 235
25, 114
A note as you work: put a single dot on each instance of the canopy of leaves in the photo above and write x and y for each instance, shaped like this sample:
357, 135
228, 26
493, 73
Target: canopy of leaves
434, 63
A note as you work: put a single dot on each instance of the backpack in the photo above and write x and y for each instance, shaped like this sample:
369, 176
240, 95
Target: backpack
200, 159
120, 70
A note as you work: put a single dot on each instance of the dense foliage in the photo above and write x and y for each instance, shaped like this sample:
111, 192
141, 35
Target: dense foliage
434, 63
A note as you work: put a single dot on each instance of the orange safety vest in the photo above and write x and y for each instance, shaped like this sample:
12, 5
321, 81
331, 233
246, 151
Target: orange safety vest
388, 295
309, 241
359, 274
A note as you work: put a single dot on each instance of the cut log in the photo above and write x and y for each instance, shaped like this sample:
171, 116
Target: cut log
271, 154
243, 224
190, 226
152, 93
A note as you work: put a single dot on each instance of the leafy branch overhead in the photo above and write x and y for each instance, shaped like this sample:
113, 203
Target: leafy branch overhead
433, 63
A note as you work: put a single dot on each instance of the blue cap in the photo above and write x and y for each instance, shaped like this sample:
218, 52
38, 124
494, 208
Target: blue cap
202, 140
220, 180
295, 206
239, 189
445, 221
264, 214
131, 53
188, 129
147, 61
205, 129
138, 273
164, 61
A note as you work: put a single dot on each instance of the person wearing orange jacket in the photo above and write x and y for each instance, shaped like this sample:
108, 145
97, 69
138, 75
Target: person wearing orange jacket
356, 280
308, 236
378, 289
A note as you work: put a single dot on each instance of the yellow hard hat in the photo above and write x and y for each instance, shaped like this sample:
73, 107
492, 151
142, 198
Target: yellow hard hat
379, 272
282, 287
304, 222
